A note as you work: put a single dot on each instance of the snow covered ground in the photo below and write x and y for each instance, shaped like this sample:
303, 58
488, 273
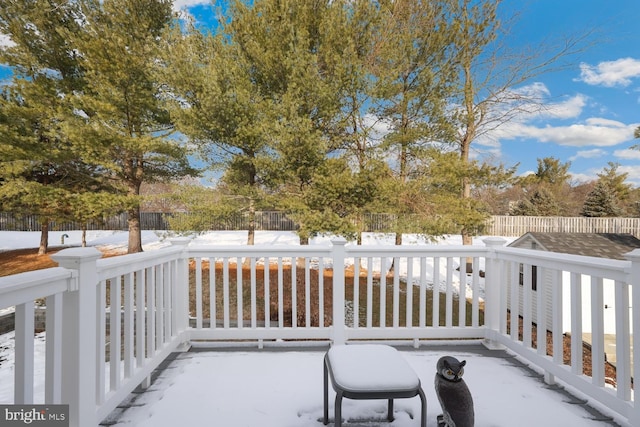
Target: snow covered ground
284, 388
10, 240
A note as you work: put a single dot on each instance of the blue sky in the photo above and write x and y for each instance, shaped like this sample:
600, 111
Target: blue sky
593, 103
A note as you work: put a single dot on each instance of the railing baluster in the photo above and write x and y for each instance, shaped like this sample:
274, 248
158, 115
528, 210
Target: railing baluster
514, 302
280, 294
541, 311
576, 324
225, 292
623, 341
114, 332
462, 293
449, 294
128, 325
213, 297
101, 340
597, 331
526, 305
369, 320
422, 320
159, 305
294, 293
321, 302
267, 293
436, 293
475, 286
198, 268
151, 312
24, 353
168, 302
140, 317
356, 291
307, 292
53, 359
253, 293
396, 292
409, 309
504, 297
383, 291
239, 294
557, 304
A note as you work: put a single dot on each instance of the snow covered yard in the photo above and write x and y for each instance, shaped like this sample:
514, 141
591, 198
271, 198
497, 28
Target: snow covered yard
283, 388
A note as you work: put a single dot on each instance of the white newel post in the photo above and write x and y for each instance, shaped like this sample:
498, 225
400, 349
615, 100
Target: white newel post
79, 336
182, 290
493, 283
339, 253
634, 277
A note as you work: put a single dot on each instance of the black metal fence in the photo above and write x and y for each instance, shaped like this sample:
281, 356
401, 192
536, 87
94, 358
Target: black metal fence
148, 221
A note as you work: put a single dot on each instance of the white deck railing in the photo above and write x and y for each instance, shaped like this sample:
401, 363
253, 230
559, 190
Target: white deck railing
110, 322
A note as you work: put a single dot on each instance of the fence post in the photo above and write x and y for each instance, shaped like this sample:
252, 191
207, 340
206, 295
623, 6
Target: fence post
634, 282
182, 288
79, 353
339, 253
493, 286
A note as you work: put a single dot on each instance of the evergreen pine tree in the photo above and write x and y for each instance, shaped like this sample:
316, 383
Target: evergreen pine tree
41, 168
120, 121
601, 202
540, 203
412, 83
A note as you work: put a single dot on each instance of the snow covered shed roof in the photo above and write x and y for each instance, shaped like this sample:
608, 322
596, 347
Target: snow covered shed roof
602, 245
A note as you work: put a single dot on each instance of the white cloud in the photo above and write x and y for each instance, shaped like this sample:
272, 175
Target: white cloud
582, 178
596, 132
535, 90
610, 73
633, 174
588, 154
182, 4
627, 154
567, 109
534, 102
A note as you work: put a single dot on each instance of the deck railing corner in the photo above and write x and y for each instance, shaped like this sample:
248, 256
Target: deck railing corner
634, 282
493, 281
79, 358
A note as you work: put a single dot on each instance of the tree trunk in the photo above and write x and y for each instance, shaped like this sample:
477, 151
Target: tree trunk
44, 238
251, 238
135, 232
84, 235
393, 261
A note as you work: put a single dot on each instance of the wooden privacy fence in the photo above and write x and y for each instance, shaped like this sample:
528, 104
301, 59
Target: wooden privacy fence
508, 226
519, 225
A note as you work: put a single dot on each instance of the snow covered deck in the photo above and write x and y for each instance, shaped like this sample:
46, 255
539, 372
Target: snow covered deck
277, 387
112, 322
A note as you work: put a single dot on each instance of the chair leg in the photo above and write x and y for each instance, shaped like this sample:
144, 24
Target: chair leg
338, 410
423, 401
326, 395
390, 411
